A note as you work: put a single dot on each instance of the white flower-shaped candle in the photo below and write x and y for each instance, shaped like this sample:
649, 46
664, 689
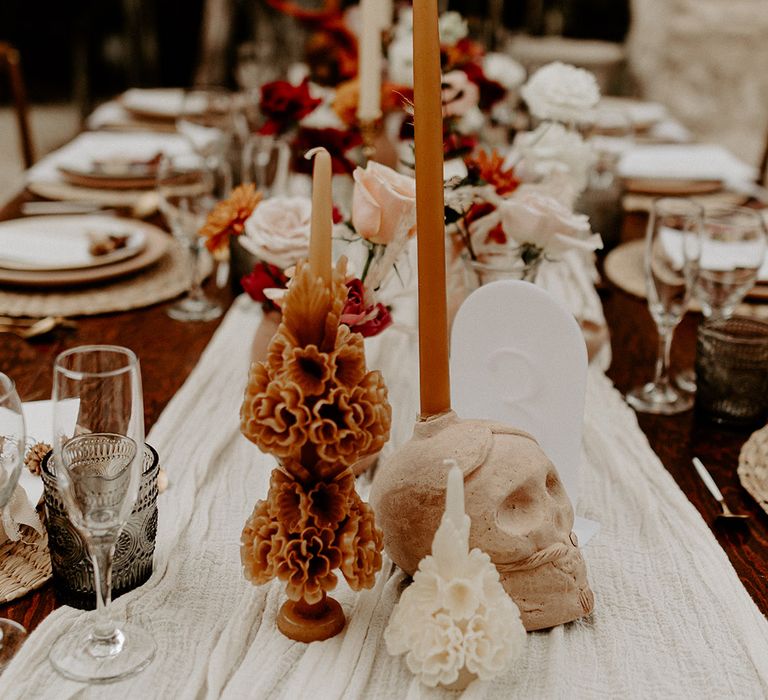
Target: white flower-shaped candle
561, 92
455, 623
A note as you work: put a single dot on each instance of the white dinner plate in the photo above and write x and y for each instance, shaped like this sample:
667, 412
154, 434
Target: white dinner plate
45, 243
158, 103
642, 114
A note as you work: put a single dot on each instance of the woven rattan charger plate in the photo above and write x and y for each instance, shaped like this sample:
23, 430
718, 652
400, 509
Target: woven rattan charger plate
624, 267
24, 566
166, 279
753, 466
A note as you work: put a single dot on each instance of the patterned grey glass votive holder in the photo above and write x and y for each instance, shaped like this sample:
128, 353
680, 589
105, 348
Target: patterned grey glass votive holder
132, 563
732, 371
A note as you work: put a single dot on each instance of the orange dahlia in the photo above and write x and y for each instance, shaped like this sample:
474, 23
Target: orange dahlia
228, 218
490, 168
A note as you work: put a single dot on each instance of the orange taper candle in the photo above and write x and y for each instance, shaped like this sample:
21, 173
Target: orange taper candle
430, 221
322, 214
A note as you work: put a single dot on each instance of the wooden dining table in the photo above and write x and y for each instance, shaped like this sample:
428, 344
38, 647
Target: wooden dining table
168, 351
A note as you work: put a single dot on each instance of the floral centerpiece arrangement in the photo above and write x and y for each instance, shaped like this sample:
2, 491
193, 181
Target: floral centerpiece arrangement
506, 227
276, 231
510, 213
477, 86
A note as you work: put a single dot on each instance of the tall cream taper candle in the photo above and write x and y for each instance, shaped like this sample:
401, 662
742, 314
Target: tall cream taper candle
320, 242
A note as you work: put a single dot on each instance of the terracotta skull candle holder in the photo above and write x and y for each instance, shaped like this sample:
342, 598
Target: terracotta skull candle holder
313, 405
521, 516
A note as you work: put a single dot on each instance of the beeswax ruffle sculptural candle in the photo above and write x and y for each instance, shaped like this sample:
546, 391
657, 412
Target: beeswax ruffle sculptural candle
315, 407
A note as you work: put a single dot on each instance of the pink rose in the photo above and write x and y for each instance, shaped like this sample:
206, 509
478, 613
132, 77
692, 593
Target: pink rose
383, 203
534, 218
460, 94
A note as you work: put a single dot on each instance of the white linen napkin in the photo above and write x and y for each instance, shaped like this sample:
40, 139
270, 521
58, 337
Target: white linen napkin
685, 162
18, 511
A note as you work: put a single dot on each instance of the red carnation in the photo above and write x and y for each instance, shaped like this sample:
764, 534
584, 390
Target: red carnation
478, 211
284, 104
337, 142
491, 91
366, 320
263, 276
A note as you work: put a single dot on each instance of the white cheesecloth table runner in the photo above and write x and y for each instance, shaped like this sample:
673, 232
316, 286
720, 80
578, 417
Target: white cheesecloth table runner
671, 618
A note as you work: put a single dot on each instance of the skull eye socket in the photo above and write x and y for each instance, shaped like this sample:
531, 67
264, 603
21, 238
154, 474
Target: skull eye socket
553, 483
519, 513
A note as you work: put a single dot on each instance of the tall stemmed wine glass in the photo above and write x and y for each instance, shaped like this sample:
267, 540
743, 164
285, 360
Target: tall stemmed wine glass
187, 190
12, 436
671, 255
98, 427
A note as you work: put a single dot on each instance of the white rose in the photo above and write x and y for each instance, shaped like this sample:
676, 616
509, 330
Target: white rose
323, 116
404, 26
400, 61
504, 69
532, 218
552, 148
472, 121
453, 28
560, 92
278, 231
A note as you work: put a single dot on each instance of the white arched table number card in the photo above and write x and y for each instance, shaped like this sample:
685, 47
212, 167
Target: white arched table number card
518, 357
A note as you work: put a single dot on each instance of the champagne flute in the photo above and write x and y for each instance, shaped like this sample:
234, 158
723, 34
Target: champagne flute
12, 437
98, 427
671, 256
186, 189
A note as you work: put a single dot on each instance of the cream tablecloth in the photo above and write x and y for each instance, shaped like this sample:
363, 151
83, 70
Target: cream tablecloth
671, 618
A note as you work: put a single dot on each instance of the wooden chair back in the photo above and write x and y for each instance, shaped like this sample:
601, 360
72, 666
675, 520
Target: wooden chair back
10, 63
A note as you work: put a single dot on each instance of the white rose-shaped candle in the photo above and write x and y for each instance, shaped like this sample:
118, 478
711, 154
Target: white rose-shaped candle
455, 623
278, 231
561, 92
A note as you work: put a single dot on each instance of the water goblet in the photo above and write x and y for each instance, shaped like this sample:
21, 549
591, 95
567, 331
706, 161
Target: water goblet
257, 64
266, 162
208, 120
671, 254
12, 436
186, 189
733, 248
98, 427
